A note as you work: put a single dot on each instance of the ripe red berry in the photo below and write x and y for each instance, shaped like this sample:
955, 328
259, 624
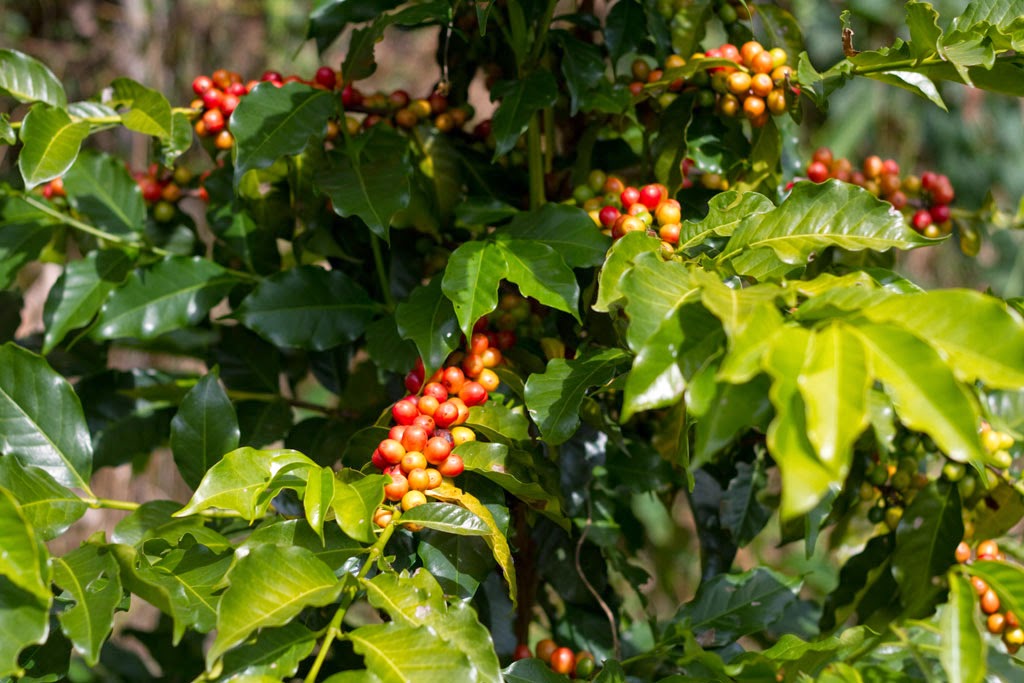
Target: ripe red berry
608, 215
326, 77
453, 379
921, 220
351, 97
563, 661
201, 84
437, 390
506, 339
473, 394
398, 487
817, 172
396, 432
452, 466
151, 190
415, 438
650, 196
522, 652
940, 213
629, 196
405, 412
928, 179
212, 98
378, 460
425, 421
271, 76
446, 414
214, 121
237, 89
437, 449
413, 382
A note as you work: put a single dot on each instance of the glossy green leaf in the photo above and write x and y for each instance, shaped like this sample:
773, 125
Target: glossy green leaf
48, 507
554, 396
272, 122
743, 514
274, 652
92, 578
428, 320
925, 394
1006, 579
149, 112
834, 383
24, 621
26, 79
729, 606
176, 292
80, 292
499, 423
459, 563
653, 289
726, 211
42, 418
805, 478
963, 648
727, 416
450, 519
370, 179
26, 232
749, 317
329, 18
307, 307
814, 217
471, 281
542, 273
864, 580
495, 462
583, 67
239, 480
387, 348
153, 520
419, 601
335, 549
100, 187
269, 587
801, 657
625, 28
397, 654
531, 670
354, 505
23, 560
618, 262
50, 144
926, 538
179, 141
566, 229
319, 496
203, 430
520, 100
983, 341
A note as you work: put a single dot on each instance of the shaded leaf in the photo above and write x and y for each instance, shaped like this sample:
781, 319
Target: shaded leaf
428, 320
203, 430
80, 292
100, 187
520, 100
274, 652
542, 273
926, 538
566, 229
471, 281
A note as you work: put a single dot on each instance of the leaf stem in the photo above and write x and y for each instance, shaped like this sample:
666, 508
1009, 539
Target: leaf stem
382, 273
110, 504
113, 120
334, 628
91, 229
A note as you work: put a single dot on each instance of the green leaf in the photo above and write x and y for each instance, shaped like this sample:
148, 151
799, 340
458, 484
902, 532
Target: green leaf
619, 260
317, 499
370, 179
963, 648
730, 606
801, 657
91, 576
1006, 579
926, 539
149, 112
471, 281
24, 621
387, 348
924, 392
583, 67
554, 396
176, 292
80, 292
240, 479
499, 423
566, 229
493, 461
726, 211
397, 654
26, 232
307, 307
272, 122
654, 289
983, 341
330, 17
26, 79
179, 142
50, 143
727, 415
531, 670
359, 60
805, 478
100, 187
48, 507
814, 217
203, 430
269, 587
749, 318
428, 320
354, 505
274, 652
7, 134
625, 28
520, 100
450, 519
42, 418
743, 515
23, 560
335, 549
542, 273
459, 563
834, 382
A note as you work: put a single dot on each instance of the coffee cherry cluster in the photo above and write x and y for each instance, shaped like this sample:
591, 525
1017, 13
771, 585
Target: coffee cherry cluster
219, 93
619, 209
398, 109
562, 660
998, 622
924, 199
417, 452
162, 188
892, 488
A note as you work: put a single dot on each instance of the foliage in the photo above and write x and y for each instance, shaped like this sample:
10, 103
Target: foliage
764, 363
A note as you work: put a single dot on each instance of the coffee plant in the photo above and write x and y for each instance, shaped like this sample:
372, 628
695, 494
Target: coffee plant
446, 382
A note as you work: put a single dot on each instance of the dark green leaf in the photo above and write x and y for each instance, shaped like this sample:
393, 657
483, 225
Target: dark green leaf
307, 307
428, 320
743, 515
530, 670
387, 348
269, 587
359, 59
459, 563
963, 649
204, 429
554, 397
335, 549
625, 28
92, 578
26, 232
583, 68
275, 652
566, 229
520, 100
272, 122
471, 281
926, 538
149, 111
50, 144
542, 273
48, 507
176, 292
26, 79
80, 292
42, 417
330, 17
100, 187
